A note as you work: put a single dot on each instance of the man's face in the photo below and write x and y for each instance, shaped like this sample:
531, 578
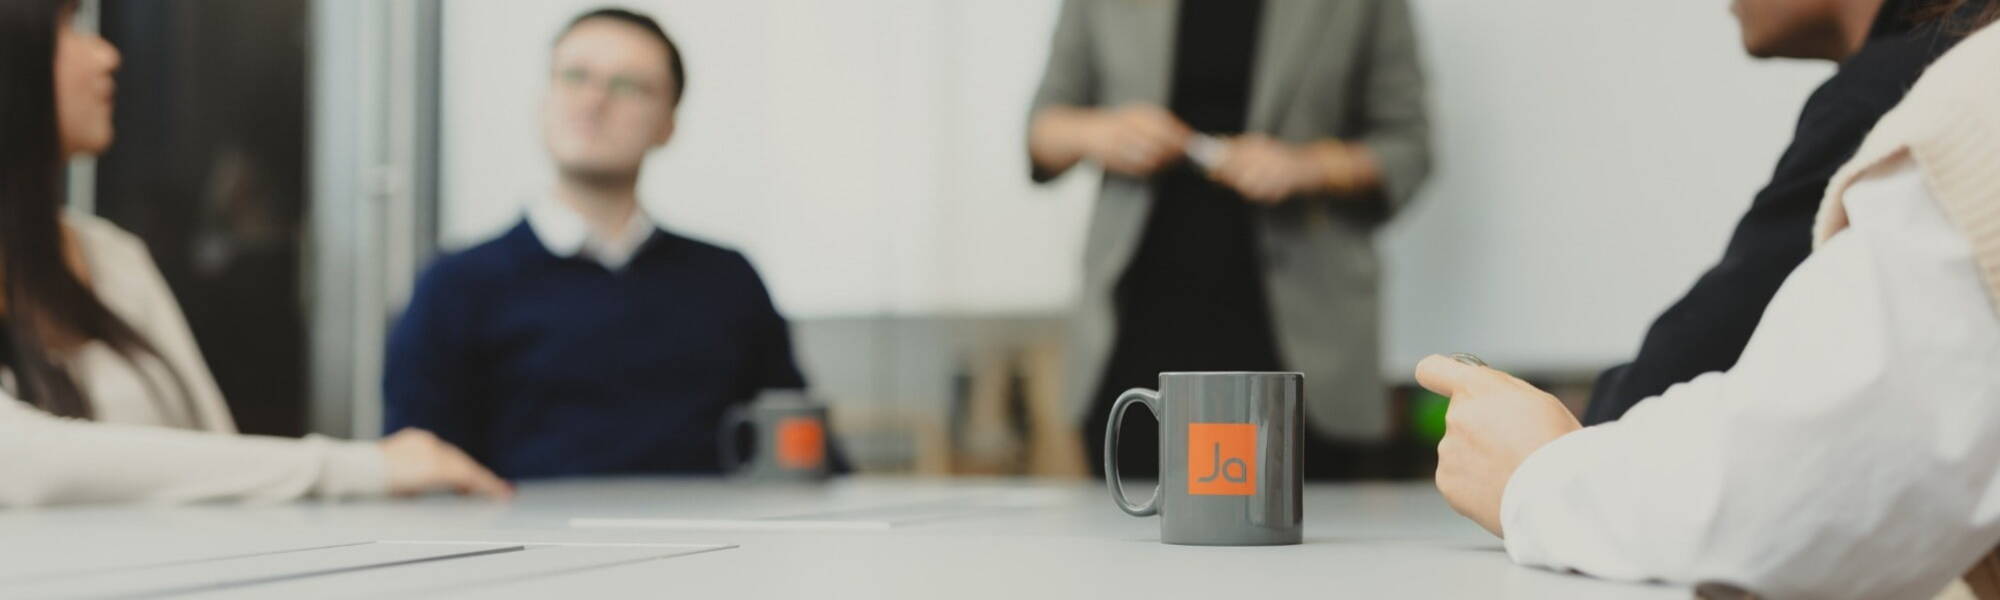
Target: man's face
1792, 28
610, 99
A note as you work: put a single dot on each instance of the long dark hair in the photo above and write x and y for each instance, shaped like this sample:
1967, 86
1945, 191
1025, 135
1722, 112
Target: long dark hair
47, 305
1961, 17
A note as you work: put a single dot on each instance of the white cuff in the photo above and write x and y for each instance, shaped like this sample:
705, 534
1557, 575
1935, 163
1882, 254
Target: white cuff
1525, 504
350, 468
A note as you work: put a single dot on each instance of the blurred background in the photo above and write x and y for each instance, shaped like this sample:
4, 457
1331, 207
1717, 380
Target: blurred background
293, 164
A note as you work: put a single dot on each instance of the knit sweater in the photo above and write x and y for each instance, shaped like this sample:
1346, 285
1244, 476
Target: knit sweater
1950, 125
541, 365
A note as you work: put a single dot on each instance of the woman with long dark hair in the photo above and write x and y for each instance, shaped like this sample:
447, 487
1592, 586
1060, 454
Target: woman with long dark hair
108, 397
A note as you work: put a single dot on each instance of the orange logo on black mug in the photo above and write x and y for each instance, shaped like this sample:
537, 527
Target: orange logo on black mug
801, 443
1222, 459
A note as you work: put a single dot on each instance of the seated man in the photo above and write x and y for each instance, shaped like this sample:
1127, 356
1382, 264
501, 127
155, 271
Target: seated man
587, 339
1853, 451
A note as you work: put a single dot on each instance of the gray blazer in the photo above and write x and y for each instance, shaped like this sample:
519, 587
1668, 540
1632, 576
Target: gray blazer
1344, 69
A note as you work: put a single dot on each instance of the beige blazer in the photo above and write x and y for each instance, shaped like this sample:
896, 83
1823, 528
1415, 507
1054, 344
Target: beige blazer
1345, 69
149, 444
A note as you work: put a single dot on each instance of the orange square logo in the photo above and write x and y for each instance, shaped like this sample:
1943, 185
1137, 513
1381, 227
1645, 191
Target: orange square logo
801, 443
1222, 459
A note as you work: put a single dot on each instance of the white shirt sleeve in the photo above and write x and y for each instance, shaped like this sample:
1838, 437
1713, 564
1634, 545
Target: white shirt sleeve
1850, 453
46, 460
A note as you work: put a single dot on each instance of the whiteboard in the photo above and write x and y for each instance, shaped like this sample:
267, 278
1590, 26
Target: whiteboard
867, 156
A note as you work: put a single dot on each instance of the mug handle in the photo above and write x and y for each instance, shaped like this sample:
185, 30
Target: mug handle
732, 421
1152, 401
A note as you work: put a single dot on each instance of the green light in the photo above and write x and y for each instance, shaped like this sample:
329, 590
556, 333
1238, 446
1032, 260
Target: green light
1427, 415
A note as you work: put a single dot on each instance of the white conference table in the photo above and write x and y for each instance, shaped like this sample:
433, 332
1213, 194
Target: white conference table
853, 538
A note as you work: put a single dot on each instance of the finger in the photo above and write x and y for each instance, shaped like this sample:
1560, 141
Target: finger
1140, 156
1269, 194
1137, 150
1138, 164
1225, 169
1229, 176
1119, 162
1158, 155
1263, 184
1448, 377
1167, 140
482, 482
1248, 186
1165, 120
1256, 147
1162, 128
1257, 162
1260, 194
1125, 144
476, 480
467, 476
1265, 175
1266, 195
1233, 163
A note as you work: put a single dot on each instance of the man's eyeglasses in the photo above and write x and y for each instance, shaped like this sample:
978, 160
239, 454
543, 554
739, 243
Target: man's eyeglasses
616, 86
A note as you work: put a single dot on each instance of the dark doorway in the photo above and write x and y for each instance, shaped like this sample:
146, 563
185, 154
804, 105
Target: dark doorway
210, 170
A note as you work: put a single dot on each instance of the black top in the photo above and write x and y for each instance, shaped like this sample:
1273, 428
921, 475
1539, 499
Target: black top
1706, 330
1192, 298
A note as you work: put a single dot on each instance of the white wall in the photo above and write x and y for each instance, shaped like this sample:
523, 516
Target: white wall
1594, 156
867, 155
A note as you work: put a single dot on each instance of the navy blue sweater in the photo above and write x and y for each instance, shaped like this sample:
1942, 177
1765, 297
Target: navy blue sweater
539, 365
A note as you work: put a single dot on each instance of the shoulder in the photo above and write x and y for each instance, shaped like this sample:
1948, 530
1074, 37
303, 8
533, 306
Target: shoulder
697, 251
122, 273
105, 243
722, 264
480, 266
121, 269
1966, 71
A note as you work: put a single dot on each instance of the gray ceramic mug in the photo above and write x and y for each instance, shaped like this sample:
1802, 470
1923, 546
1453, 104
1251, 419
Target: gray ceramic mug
788, 439
1230, 470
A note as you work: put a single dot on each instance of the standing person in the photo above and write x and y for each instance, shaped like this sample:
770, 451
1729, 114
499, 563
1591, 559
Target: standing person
1262, 261
107, 398
1882, 46
588, 339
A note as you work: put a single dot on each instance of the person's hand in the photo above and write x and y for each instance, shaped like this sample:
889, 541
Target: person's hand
1265, 170
419, 463
1135, 139
1494, 422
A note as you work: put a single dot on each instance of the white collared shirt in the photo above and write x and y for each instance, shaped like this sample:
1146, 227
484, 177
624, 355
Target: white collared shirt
1852, 452
564, 233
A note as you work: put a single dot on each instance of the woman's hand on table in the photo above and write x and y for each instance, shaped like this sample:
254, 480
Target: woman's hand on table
420, 462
